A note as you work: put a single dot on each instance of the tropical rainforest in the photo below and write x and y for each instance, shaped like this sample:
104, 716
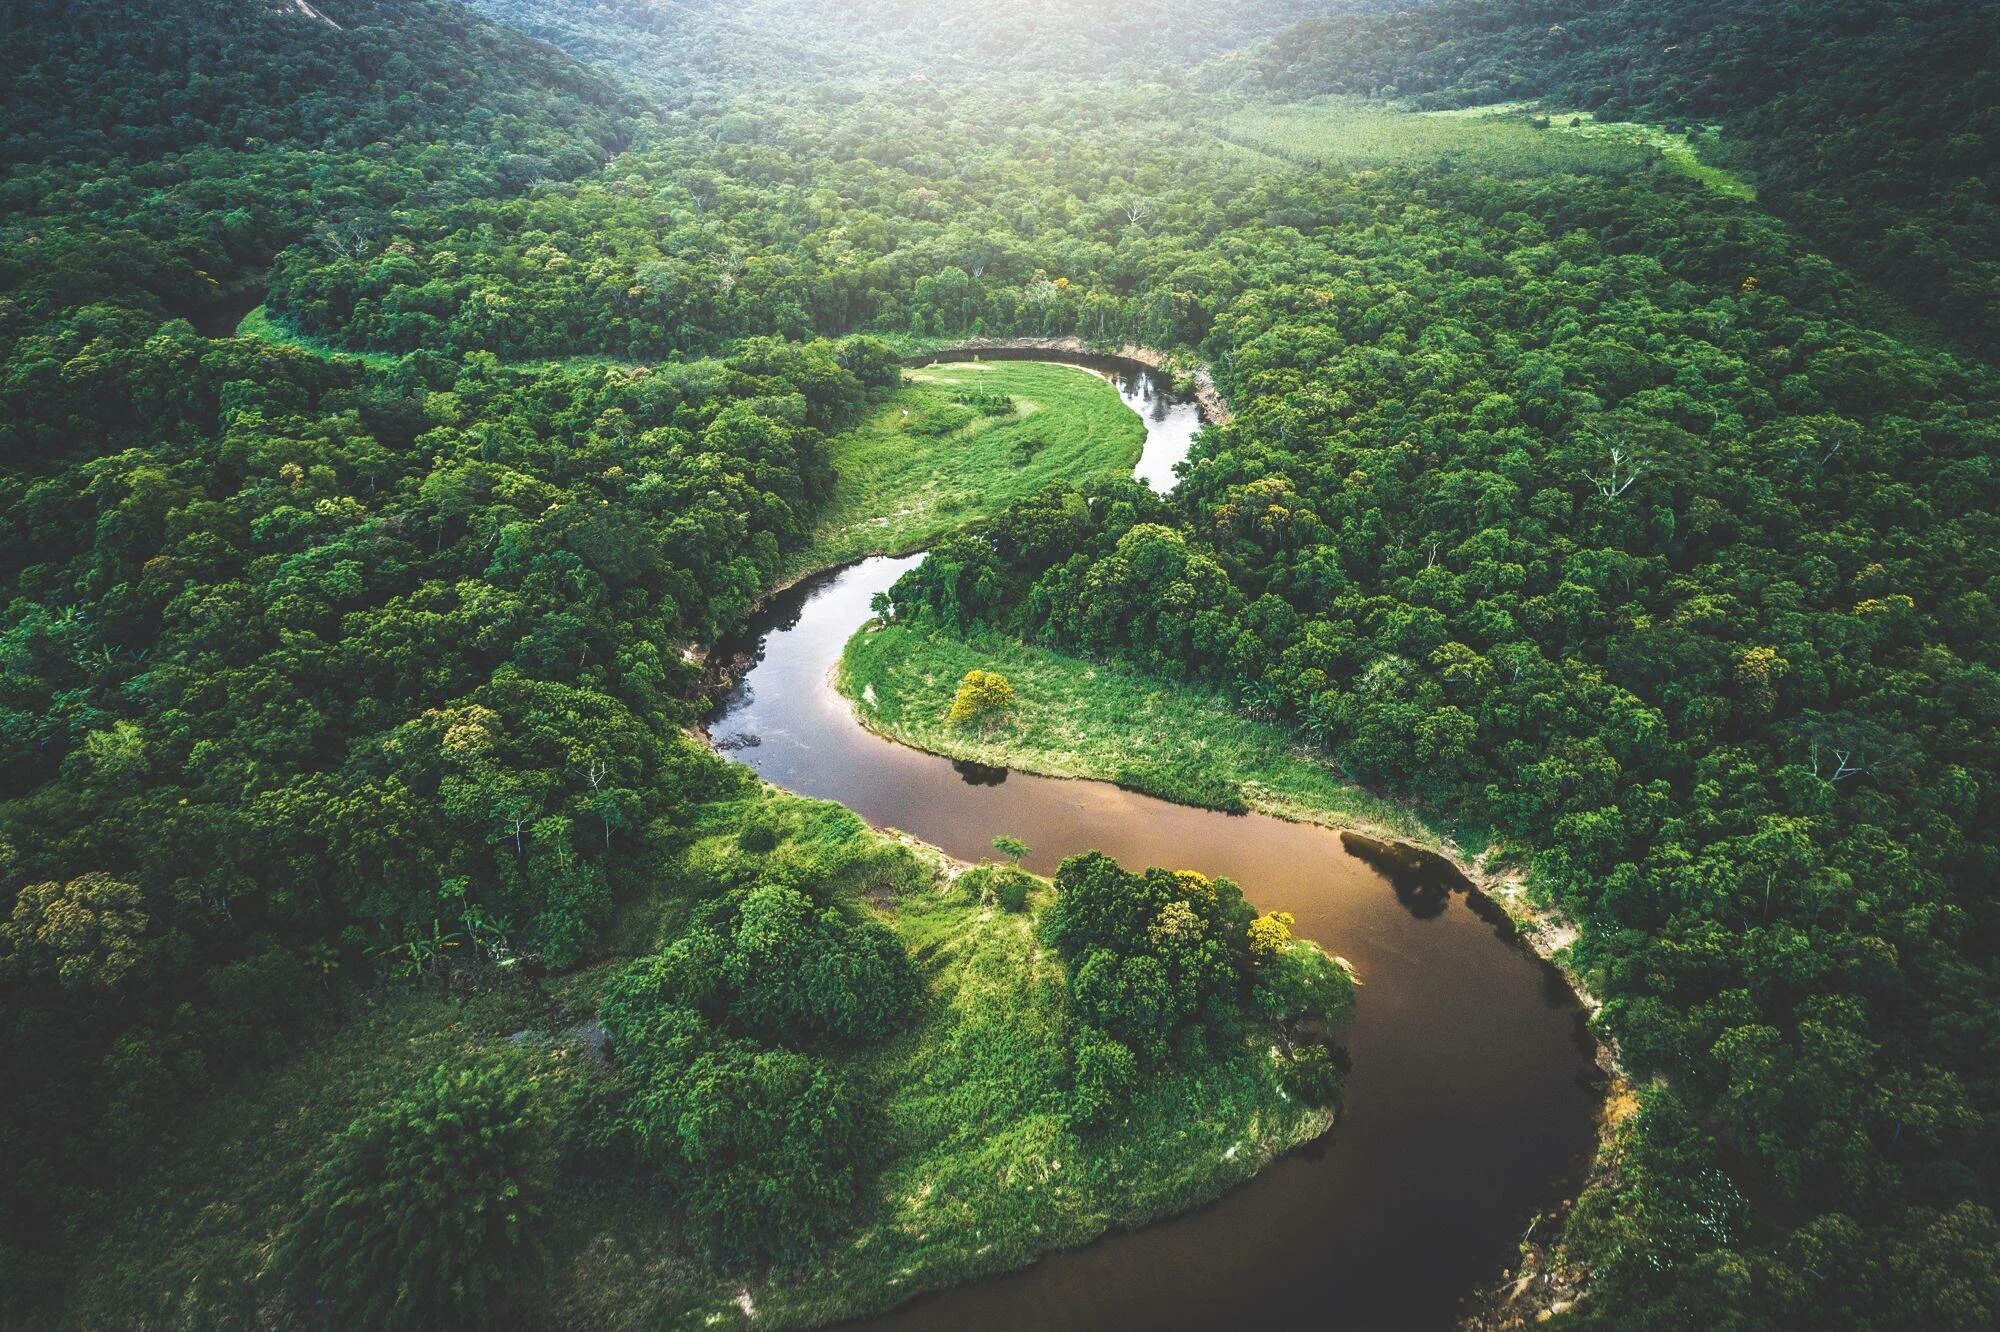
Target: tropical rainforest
397, 399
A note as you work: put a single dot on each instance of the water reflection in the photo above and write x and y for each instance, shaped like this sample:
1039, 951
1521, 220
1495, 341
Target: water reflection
978, 774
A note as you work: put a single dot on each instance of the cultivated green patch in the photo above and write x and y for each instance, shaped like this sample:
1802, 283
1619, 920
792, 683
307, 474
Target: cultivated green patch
962, 441
1076, 718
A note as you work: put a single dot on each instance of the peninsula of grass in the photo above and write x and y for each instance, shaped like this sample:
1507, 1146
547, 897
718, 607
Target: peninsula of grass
1076, 718
978, 1169
964, 440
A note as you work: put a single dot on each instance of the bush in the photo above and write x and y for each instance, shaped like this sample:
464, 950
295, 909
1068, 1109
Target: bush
1104, 1074
1007, 887
1011, 888
1300, 983
983, 697
423, 1214
798, 972
1312, 1074
763, 1147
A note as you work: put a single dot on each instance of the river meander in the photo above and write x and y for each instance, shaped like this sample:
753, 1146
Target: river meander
1471, 1102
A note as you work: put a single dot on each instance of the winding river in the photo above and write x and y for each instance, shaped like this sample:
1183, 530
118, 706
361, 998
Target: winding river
1471, 1103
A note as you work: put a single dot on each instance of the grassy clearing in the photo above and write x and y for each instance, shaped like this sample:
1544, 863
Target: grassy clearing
963, 440
1681, 152
1353, 133
1075, 718
978, 1171
1330, 132
260, 324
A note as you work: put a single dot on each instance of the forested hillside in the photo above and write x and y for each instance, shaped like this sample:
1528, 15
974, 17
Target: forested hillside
771, 48
1594, 512
159, 159
1873, 125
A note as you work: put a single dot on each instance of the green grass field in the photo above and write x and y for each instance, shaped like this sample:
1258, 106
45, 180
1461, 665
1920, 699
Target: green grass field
980, 1175
1354, 133
1075, 718
932, 457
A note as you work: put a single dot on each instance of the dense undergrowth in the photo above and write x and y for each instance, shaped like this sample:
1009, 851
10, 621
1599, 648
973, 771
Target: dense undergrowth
924, 1121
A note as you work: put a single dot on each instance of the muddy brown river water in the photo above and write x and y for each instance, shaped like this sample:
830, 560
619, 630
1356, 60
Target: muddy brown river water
1472, 1098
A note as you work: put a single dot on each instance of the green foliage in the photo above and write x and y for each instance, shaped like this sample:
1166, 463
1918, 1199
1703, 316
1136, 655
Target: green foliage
424, 1214
1104, 1074
1312, 1073
1873, 132
983, 698
761, 1146
1566, 495
1298, 982
88, 933
917, 467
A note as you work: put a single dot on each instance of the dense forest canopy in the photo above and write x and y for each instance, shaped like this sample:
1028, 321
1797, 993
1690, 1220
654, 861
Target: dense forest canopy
1647, 528
1873, 125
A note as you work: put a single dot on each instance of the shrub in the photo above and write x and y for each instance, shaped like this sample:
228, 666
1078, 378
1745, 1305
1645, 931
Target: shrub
763, 1147
798, 972
1311, 1074
1301, 983
983, 697
758, 836
1007, 887
1011, 888
423, 1213
1104, 1074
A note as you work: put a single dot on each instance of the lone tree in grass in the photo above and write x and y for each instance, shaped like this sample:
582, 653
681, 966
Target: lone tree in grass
983, 697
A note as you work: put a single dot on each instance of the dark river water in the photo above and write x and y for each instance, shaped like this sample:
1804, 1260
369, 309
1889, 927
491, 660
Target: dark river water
1471, 1102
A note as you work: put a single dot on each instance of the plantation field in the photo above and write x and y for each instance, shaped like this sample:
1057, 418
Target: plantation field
963, 440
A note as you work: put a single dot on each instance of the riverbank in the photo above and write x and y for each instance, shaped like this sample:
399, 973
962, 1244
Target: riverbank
1097, 721
981, 1170
1187, 373
963, 441
978, 1170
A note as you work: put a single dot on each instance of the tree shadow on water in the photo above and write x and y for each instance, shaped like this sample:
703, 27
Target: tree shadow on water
978, 774
1423, 882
